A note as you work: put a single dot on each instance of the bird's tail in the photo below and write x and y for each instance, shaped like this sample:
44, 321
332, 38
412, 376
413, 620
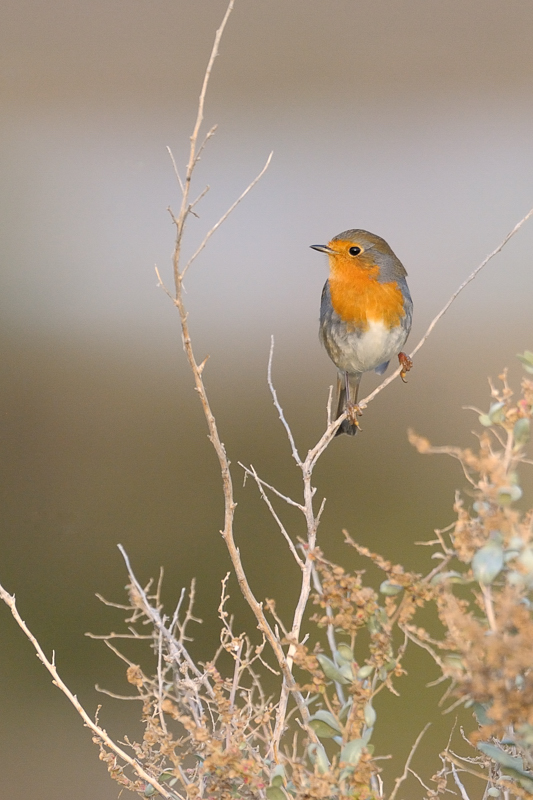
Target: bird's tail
351, 381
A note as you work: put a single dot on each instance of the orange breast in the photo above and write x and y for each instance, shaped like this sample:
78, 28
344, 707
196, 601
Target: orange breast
358, 297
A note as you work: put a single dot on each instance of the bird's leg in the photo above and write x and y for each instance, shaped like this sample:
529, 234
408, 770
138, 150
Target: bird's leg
352, 409
406, 364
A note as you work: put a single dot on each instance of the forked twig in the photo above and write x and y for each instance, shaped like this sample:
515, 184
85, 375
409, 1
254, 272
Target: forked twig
224, 216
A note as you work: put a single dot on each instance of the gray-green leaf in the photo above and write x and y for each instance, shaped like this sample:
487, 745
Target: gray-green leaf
527, 360
329, 669
317, 756
277, 777
521, 431
275, 793
390, 589
487, 563
351, 752
324, 724
370, 716
345, 653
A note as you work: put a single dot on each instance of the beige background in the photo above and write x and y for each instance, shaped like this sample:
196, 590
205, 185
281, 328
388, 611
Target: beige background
413, 119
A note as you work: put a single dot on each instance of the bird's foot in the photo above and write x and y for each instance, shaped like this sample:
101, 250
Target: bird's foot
406, 364
352, 412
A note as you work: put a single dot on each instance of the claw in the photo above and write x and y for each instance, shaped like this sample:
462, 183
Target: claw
352, 412
406, 364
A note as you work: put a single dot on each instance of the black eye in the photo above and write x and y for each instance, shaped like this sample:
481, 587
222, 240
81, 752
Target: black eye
354, 251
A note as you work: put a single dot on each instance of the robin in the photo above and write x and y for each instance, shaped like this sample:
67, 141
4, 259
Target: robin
365, 314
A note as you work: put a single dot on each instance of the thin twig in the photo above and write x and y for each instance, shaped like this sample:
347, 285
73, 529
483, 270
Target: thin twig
329, 405
176, 170
277, 519
489, 606
458, 783
193, 154
250, 471
279, 409
398, 782
419, 779
224, 217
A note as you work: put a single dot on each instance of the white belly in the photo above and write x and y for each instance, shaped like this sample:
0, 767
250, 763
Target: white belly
364, 351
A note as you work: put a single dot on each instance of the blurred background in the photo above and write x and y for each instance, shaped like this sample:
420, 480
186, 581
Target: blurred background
411, 119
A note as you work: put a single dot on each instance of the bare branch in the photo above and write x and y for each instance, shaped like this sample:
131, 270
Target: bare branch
193, 155
224, 217
99, 732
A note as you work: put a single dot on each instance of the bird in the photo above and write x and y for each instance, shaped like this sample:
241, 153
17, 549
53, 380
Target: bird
366, 313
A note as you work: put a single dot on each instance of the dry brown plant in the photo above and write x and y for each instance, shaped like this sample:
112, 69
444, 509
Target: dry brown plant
212, 731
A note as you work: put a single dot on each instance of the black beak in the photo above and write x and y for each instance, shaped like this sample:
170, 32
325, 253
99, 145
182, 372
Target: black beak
322, 248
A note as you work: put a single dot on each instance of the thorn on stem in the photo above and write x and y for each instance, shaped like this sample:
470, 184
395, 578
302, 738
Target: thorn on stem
200, 367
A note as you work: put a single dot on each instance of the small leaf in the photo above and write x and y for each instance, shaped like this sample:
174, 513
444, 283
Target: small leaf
485, 420
275, 793
345, 773
515, 578
329, 669
347, 672
345, 653
388, 588
526, 733
447, 577
496, 413
508, 494
526, 559
373, 625
345, 710
370, 716
493, 792
521, 431
487, 563
365, 671
351, 752
480, 710
454, 661
277, 777
527, 360
317, 756
515, 543
324, 724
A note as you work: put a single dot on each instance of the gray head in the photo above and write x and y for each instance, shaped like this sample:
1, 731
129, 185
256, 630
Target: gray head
363, 249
